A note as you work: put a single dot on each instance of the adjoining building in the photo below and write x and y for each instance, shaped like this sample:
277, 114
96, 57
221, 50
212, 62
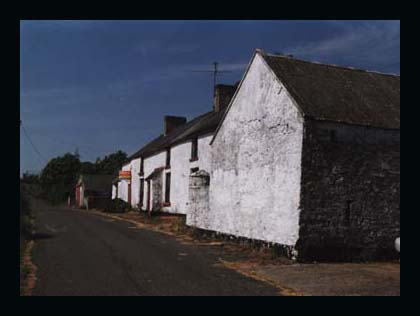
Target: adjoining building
306, 157
159, 171
93, 191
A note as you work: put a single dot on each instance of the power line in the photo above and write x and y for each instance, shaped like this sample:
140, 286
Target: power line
32, 144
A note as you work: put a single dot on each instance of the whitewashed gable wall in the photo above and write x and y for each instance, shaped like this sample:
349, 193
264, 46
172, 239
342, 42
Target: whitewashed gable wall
256, 163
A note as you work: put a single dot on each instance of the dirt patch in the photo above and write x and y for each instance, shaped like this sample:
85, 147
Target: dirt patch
248, 269
338, 279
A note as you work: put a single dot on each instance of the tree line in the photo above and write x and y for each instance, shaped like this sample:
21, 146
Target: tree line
58, 178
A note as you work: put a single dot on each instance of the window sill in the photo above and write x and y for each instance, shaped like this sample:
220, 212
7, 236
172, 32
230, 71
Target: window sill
193, 159
167, 167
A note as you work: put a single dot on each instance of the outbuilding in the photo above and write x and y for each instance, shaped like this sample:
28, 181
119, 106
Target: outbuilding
93, 191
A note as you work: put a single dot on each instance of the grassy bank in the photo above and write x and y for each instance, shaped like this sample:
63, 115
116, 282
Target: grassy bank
27, 225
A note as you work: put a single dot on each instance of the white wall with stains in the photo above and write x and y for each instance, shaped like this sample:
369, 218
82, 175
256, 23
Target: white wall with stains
180, 167
256, 163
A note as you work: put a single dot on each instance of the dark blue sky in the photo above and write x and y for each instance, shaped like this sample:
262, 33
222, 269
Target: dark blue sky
100, 86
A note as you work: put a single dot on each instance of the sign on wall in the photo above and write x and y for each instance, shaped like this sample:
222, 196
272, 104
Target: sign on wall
125, 175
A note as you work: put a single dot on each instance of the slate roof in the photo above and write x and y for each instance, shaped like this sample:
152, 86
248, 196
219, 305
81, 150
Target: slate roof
97, 183
340, 94
200, 125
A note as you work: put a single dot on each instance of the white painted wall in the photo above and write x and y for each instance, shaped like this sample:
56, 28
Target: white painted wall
114, 192
180, 171
134, 166
123, 184
256, 163
135, 182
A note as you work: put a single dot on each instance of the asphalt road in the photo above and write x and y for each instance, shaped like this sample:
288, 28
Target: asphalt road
79, 253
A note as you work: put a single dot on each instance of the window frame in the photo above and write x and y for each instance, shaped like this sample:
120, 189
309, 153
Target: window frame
168, 158
194, 149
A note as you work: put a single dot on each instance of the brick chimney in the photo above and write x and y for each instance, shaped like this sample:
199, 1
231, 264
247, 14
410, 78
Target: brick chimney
222, 95
172, 122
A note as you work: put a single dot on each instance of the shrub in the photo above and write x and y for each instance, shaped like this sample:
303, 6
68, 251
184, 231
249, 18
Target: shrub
118, 206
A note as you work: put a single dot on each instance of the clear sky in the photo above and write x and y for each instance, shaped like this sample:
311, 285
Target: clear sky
100, 86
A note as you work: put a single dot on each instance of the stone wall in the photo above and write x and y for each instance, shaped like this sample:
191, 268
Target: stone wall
350, 195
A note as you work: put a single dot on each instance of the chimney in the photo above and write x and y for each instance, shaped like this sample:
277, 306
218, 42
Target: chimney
222, 95
172, 122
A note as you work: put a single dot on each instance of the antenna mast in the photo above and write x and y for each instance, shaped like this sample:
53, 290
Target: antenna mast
215, 72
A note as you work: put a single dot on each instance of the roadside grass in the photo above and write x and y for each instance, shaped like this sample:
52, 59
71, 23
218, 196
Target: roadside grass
27, 229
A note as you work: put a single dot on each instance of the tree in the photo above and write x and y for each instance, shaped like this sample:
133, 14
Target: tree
110, 164
29, 178
59, 177
88, 167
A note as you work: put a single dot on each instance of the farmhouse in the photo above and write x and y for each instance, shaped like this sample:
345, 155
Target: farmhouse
93, 191
159, 172
306, 157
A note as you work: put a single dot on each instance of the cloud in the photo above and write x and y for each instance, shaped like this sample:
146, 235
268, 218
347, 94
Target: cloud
374, 43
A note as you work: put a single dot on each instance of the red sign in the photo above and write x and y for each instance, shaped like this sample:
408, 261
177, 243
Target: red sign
125, 175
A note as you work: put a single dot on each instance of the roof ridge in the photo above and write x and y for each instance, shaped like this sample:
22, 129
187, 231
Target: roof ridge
330, 65
174, 134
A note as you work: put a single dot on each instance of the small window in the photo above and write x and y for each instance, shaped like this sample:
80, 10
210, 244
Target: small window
141, 166
168, 158
168, 187
194, 149
194, 169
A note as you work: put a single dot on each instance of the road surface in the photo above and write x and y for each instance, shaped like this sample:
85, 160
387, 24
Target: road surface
79, 253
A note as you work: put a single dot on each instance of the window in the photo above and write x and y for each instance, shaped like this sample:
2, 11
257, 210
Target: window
194, 149
142, 166
168, 158
194, 169
168, 187
141, 192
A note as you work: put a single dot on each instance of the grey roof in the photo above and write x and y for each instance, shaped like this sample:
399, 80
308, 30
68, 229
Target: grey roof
340, 94
200, 125
97, 182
